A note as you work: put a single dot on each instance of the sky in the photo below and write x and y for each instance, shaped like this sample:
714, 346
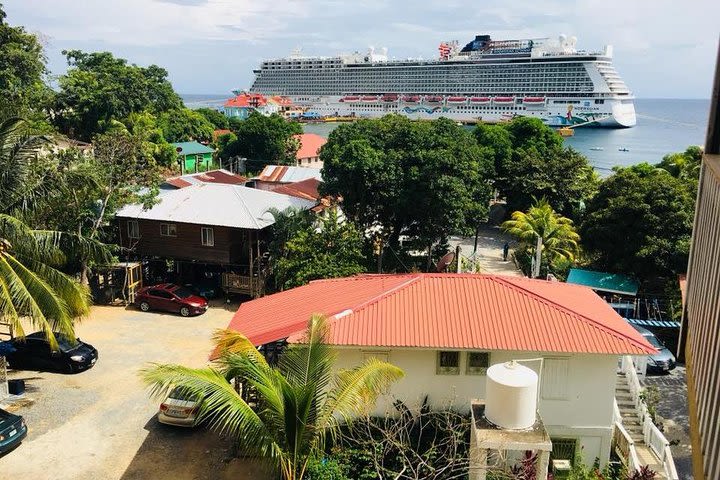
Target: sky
662, 48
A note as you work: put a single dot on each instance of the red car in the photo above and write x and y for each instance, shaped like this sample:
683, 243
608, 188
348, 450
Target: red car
170, 298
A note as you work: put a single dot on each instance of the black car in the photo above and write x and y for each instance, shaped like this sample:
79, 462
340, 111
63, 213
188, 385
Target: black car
12, 430
33, 352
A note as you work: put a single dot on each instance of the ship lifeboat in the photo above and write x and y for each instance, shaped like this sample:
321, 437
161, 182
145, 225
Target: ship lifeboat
433, 99
411, 99
503, 100
369, 98
479, 100
534, 100
390, 97
456, 100
350, 99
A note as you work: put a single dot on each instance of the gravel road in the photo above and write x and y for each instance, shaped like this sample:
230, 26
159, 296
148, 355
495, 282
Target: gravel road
101, 423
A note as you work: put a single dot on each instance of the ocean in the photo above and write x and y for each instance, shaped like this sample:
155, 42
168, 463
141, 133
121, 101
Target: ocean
663, 126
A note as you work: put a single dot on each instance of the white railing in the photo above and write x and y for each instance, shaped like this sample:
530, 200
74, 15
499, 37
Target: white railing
652, 436
617, 416
625, 447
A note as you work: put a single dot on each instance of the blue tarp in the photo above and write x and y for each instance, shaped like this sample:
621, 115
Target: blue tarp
603, 281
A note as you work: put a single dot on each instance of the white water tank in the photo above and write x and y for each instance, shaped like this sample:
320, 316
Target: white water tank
511, 396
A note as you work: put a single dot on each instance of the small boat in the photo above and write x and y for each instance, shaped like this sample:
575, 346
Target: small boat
480, 100
390, 97
566, 132
534, 100
350, 99
623, 149
503, 100
456, 99
411, 98
370, 98
433, 99
597, 149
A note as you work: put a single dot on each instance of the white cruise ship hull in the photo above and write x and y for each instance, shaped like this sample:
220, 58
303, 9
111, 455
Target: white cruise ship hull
590, 112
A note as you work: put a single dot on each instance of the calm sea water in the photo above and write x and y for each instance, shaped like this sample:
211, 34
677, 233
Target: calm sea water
663, 126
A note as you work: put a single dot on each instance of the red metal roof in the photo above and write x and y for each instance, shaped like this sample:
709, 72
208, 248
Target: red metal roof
212, 176
310, 144
307, 189
247, 100
454, 311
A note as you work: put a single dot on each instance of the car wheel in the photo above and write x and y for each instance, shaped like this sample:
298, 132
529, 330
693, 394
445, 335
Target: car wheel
144, 306
185, 311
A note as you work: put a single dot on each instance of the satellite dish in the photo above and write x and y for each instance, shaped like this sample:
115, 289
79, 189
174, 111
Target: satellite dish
445, 261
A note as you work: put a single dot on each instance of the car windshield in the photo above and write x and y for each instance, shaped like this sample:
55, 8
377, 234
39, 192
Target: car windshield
182, 292
182, 394
65, 345
654, 341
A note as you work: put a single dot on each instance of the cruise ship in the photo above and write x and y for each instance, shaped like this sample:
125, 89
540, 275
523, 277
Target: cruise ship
484, 81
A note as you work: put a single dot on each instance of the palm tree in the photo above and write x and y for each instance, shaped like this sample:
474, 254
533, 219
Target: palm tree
553, 235
31, 285
301, 402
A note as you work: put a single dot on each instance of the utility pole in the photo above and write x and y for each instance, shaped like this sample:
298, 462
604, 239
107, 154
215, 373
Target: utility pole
458, 260
538, 257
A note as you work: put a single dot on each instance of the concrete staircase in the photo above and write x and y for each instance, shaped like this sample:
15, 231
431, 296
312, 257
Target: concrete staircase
633, 424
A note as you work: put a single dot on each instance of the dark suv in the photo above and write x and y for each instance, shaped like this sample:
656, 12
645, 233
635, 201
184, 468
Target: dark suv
171, 298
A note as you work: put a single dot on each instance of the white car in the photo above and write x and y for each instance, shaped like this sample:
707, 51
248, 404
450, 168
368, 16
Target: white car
180, 408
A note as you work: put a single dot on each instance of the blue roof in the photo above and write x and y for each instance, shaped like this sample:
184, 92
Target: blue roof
654, 323
603, 281
192, 148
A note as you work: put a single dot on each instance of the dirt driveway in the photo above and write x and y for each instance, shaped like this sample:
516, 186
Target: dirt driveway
101, 423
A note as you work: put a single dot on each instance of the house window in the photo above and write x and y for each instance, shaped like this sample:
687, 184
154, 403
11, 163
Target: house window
133, 229
477, 363
555, 378
168, 230
207, 237
381, 355
448, 363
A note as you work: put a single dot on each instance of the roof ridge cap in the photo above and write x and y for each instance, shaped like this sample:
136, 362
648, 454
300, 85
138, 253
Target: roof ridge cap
236, 192
410, 281
503, 279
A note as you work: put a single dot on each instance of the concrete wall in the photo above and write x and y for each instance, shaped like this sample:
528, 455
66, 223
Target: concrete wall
584, 413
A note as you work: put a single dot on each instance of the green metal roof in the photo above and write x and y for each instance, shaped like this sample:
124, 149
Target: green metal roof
606, 282
192, 148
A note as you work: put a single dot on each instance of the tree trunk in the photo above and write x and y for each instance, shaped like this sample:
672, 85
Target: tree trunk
429, 258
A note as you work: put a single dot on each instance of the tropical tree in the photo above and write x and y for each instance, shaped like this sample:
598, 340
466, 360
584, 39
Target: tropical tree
551, 235
32, 286
301, 400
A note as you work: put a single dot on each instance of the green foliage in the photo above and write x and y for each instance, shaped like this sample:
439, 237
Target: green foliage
651, 396
684, 166
22, 72
99, 88
264, 140
427, 180
326, 469
184, 125
640, 222
218, 120
302, 400
32, 286
532, 162
329, 249
559, 240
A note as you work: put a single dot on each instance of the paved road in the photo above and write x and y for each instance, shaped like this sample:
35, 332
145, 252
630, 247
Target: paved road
489, 251
100, 424
673, 414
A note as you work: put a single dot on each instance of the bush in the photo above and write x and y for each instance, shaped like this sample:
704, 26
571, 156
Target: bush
325, 469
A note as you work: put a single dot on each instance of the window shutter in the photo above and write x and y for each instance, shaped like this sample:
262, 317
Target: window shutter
555, 378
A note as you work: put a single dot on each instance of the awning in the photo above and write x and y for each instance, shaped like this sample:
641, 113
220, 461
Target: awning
603, 281
654, 323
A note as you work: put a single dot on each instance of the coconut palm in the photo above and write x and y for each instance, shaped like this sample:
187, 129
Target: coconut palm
31, 285
552, 235
301, 402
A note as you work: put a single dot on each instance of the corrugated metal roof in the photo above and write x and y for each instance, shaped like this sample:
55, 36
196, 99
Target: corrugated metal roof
192, 148
307, 189
218, 205
310, 144
654, 323
456, 311
212, 176
603, 281
285, 174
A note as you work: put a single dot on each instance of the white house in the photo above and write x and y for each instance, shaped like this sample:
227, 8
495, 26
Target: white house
445, 330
